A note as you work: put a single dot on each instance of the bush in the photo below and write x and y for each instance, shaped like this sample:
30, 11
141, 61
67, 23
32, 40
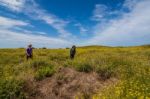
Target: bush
83, 67
44, 72
44, 48
105, 72
11, 89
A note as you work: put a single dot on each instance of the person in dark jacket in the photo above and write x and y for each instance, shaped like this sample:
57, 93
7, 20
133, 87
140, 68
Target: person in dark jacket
72, 52
29, 53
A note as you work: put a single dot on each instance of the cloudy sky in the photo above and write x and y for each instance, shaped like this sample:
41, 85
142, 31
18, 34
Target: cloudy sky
62, 23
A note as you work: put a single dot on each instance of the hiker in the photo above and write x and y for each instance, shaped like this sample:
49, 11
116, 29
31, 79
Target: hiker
29, 52
72, 52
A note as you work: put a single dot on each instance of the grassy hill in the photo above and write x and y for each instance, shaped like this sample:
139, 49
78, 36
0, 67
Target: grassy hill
97, 72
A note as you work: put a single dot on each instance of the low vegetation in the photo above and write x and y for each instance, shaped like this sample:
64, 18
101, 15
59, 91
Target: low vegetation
129, 65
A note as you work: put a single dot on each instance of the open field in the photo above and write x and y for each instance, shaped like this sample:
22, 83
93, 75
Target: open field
95, 73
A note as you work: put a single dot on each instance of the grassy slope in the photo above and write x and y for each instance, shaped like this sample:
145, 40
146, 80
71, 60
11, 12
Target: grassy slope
131, 66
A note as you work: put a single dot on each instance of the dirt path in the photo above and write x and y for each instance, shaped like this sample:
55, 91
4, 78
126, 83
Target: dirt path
67, 84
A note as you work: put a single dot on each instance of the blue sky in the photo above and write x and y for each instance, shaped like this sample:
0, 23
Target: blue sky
63, 23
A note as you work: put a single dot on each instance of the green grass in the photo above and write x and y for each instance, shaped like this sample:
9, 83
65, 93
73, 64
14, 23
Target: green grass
130, 65
11, 89
44, 72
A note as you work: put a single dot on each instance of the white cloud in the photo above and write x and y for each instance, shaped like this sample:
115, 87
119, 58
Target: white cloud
32, 9
15, 5
22, 40
99, 12
56, 23
42, 33
20, 29
102, 13
130, 4
10, 23
12, 33
9, 37
82, 29
132, 29
51, 19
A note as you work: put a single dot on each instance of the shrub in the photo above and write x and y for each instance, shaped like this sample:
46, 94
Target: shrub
11, 89
44, 72
84, 67
105, 72
44, 48
68, 63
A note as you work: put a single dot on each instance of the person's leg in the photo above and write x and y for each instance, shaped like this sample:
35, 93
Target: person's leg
72, 56
31, 56
27, 57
